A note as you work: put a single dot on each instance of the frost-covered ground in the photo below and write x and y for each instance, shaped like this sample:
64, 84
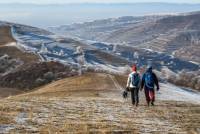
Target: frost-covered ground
174, 93
63, 49
56, 108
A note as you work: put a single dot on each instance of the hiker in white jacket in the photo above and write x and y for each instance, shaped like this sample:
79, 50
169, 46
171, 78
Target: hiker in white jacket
133, 85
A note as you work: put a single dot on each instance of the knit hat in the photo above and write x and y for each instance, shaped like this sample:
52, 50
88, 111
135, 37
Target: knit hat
149, 67
134, 68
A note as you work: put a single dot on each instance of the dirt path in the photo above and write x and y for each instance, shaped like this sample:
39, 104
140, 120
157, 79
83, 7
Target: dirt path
117, 85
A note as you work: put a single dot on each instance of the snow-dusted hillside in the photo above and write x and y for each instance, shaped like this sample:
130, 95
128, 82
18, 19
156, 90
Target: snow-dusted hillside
91, 102
97, 55
65, 50
177, 35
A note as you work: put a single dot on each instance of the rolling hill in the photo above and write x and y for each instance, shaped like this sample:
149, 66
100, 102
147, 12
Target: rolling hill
31, 57
11, 58
6, 36
9, 46
58, 90
33, 45
166, 41
92, 103
171, 34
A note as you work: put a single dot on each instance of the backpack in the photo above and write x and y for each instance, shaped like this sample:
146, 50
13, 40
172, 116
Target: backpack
135, 79
149, 80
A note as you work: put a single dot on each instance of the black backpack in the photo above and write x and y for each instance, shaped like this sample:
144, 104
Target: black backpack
135, 79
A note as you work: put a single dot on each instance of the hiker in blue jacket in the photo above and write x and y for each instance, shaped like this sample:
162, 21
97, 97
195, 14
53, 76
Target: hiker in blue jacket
149, 79
133, 85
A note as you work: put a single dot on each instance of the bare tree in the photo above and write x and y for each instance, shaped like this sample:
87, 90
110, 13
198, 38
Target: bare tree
114, 48
43, 49
80, 58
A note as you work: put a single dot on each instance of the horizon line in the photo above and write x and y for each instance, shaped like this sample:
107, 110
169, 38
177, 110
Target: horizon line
103, 3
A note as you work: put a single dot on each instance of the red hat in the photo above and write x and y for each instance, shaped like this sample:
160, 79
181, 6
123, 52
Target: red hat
134, 68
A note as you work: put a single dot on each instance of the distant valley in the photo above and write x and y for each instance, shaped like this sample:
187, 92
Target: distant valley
70, 78
174, 34
110, 45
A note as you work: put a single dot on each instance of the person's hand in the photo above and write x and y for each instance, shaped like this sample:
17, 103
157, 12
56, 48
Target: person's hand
140, 89
127, 88
158, 88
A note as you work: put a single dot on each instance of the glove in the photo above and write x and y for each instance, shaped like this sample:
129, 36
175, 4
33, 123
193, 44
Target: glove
158, 88
125, 94
127, 89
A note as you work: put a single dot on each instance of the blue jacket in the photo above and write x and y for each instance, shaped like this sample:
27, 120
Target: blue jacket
155, 80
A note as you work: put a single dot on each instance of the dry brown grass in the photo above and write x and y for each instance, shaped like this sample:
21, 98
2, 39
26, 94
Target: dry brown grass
122, 79
5, 38
6, 92
63, 111
86, 85
5, 35
5, 120
18, 54
86, 115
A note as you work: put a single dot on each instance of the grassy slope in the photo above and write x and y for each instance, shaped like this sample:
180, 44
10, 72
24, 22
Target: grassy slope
93, 103
5, 38
5, 92
5, 35
78, 86
18, 54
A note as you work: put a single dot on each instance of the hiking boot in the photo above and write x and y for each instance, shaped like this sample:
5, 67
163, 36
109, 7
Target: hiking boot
152, 103
136, 105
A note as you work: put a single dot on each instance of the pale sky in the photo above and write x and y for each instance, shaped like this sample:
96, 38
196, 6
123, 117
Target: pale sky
95, 1
44, 16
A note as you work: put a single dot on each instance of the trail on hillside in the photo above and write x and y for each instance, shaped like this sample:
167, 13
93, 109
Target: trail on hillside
117, 85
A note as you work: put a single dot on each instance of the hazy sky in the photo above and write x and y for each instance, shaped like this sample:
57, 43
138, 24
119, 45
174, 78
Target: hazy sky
53, 15
95, 1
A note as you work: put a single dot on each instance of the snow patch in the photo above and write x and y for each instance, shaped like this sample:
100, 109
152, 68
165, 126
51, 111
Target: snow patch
5, 128
11, 44
174, 93
21, 118
194, 62
109, 68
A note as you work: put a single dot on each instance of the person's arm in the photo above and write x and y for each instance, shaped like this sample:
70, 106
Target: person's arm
128, 82
156, 81
139, 84
142, 82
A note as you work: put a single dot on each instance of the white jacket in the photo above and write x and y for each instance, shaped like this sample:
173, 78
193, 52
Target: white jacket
129, 81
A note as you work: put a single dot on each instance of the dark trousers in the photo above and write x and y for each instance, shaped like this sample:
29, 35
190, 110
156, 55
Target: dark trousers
135, 95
